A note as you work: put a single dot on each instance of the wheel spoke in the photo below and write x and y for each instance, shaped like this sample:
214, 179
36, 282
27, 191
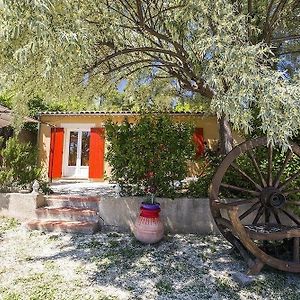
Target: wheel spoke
241, 202
258, 171
291, 192
236, 188
270, 160
258, 215
294, 219
250, 210
286, 161
294, 202
287, 182
275, 213
236, 167
267, 215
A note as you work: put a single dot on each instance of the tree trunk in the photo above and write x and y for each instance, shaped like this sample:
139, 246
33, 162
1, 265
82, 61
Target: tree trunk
225, 139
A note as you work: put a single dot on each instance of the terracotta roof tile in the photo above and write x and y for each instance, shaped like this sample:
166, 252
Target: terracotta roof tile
124, 113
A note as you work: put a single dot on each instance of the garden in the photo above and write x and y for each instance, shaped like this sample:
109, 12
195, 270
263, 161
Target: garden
237, 61
111, 266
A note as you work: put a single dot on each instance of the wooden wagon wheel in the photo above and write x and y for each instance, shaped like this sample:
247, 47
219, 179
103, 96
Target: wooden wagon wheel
252, 195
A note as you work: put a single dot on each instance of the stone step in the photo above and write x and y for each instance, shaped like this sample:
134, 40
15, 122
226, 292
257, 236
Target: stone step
63, 226
75, 201
67, 214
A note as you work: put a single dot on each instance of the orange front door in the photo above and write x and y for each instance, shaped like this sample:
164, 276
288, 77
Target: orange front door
56, 153
96, 160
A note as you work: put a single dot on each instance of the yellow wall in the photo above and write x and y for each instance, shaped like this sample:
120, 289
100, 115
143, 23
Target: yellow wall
208, 123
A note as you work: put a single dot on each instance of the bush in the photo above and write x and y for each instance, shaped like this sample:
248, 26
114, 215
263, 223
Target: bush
211, 161
149, 157
207, 165
18, 167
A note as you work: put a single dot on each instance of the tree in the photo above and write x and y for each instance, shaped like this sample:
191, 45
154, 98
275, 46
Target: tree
222, 50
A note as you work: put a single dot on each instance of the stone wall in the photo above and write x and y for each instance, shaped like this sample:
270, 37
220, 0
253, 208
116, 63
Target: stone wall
182, 215
20, 205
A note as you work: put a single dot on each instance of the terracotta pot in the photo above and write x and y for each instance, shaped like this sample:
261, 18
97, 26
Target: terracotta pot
148, 226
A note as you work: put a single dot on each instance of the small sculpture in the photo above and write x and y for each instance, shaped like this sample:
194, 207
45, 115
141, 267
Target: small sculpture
35, 187
117, 190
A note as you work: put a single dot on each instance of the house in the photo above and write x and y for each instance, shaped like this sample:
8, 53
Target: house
6, 130
72, 144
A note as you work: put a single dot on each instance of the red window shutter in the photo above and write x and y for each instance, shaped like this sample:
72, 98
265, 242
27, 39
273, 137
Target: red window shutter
96, 160
199, 141
56, 152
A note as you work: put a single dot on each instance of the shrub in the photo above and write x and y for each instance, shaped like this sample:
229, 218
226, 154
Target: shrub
18, 167
150, 156
211, 161
207, 165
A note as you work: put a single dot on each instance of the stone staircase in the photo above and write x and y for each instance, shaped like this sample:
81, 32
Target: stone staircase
67, 213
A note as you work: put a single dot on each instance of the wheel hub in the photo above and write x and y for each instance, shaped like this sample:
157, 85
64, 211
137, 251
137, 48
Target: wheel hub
272, 197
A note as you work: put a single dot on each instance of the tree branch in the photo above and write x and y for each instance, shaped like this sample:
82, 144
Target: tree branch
269, 9
286, 38
184, 69
157, 34
140, 12
120, 13
163, 11
129, 8
132, 50
173, 61
249, 18
134, 71
271, 19
278, 11
129, 64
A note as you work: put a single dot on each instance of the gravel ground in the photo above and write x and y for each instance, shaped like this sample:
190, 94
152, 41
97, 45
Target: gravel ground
108, 266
